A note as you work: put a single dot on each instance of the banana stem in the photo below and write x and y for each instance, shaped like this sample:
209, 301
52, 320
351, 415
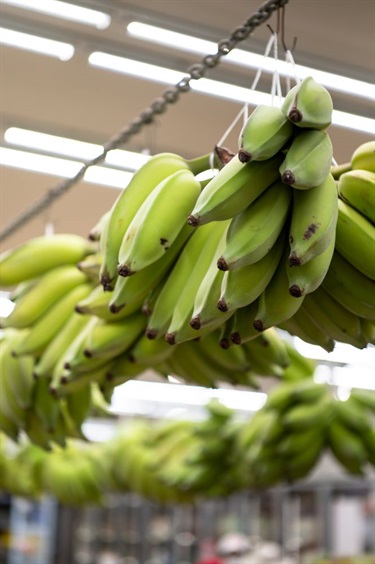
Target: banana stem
338, 170
199, 164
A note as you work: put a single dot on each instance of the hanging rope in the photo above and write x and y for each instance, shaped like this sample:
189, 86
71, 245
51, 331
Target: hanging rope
158, 106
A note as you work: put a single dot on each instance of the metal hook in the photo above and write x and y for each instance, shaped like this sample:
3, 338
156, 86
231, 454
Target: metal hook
281, 17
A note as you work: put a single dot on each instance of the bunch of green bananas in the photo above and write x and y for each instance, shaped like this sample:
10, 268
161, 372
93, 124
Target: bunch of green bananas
299, 422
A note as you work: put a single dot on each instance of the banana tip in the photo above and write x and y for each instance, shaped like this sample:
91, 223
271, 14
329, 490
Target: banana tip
193, 220
296, 291
151, 334
236, 338
124, 270
243, 156
113, 308
195, 322
222, 306
258, 325
288, 178
224, 343
222, 264
294, 260
170, 338
295, 115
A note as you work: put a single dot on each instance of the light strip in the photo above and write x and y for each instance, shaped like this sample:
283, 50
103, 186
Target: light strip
6, 305
252, 60
182, 394
72, 12
73, 148
64, 168
212, 87
36, 44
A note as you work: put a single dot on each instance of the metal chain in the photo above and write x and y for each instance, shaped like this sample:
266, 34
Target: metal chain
158, 106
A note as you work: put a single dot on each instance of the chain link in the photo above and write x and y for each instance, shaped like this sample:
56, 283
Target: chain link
158, 106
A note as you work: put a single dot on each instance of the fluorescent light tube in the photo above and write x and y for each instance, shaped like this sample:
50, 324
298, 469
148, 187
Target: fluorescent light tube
252, 60
64, 168
41, 45
72, 12
213, 87
157, 392
73, 148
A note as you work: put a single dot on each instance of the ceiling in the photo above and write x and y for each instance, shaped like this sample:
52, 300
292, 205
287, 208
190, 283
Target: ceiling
78, 101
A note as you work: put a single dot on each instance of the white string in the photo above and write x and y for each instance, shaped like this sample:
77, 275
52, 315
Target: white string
276, 84
290, 59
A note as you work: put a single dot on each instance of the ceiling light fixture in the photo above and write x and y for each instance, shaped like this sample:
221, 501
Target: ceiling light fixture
36, 44
212, 87
63, 168
240, 57
65, 10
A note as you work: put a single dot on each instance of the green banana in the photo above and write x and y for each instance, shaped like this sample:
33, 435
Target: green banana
305, 416
308, 104
78, 406
143, 182
96, 230
308, 160
243, 285
51, 322
357, 188
295, 443
350, 287
39, 255
347, 447
234, 188
363, 157
46, 406
50, 287
131, 290
97, 303
254, 231
365, 398
264, 134
310, 275
242, 329
16, 374
189, 363
275, 303
352, 415
368, 330
149, 352
183, 308
154, 227
59, 344
175, 282
339, 323
304, 326
263, 361
313, 222
90, 266
301, 464
355, 239
232, 359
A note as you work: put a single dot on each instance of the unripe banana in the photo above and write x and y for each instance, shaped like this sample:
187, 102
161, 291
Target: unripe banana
276, 304
313, 222
173, 287
310, 275
254, 231
97, 303
148, 352
234, 188
357, 188
364, 157
355, 239
96, 230
339, 323
90, 266
347, 447
305, 416
154, 226
308, 105
350, 287
243, 285
242, 329
50, 287
364, 398
264, 134
304, 326
41, 254
308, 160
46, 406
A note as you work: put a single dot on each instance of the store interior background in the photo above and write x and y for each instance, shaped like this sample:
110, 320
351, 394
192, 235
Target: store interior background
75, 100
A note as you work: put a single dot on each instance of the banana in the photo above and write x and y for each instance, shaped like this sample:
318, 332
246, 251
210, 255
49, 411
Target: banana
39, 255
10, 428
261, 361
106, 340
339, 323
78, 406
276, 304
154, 227
175, 282
149, 352
365, 398
97, 303
123, 369
308, 160
18, 372
232, 359
234, 188
308, 105
264, 134
310, 275
357, 188
51, 286
350, 287
59, 344
363, 158
51, 322
96, 230
183, 308
254, 231
244, 285
36, 432
355, 239
339, 169
352, 415
304, 326
305, 416
188, 363
90, 266
368, 330
347, 447
242, 329
313, 222
301, 464
46, 406
293, 444
143, 182
131, 290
